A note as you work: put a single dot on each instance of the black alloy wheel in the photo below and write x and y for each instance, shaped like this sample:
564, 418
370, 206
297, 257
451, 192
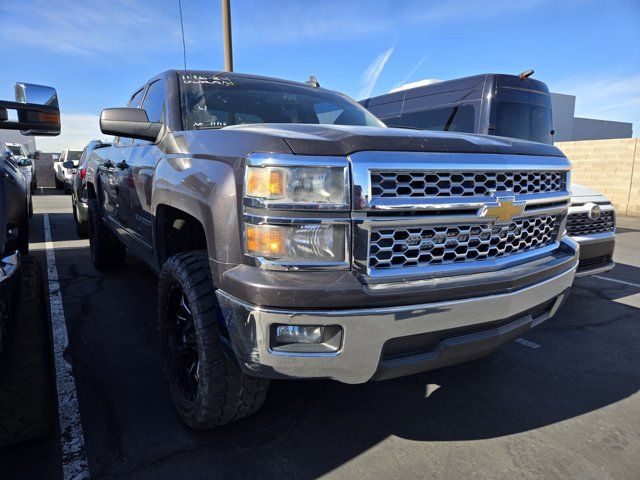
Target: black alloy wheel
183, 343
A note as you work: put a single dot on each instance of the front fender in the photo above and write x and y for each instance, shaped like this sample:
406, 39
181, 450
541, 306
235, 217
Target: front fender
206, 189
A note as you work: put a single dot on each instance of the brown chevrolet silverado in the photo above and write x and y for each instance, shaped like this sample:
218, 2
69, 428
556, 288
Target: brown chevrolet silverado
295, 236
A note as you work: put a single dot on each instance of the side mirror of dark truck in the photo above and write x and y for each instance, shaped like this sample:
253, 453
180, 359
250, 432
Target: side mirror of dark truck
130, 123
36, 108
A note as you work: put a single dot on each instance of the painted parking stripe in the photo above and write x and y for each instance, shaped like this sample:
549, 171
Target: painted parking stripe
527, 343
637, 285
74, 457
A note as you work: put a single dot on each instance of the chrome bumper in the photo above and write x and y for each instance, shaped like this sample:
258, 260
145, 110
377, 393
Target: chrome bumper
365, 331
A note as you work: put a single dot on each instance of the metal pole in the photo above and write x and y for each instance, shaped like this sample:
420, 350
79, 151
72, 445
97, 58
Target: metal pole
226, 32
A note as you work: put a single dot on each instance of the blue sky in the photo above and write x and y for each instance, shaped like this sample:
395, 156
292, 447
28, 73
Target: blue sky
96, 52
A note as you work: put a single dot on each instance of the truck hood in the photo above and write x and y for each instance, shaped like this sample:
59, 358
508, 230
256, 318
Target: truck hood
341, 140
582, 191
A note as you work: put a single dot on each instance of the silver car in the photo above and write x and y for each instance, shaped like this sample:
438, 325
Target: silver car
591, 223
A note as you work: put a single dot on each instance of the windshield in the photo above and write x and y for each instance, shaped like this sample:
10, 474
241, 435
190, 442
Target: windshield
74, 155
16, 150
212, 101
525, 115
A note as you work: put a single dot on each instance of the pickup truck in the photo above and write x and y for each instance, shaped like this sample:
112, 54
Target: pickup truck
295, 236
26, 389
64, 168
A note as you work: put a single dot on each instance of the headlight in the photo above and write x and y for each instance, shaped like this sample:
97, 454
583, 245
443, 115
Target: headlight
300, 186
297, 243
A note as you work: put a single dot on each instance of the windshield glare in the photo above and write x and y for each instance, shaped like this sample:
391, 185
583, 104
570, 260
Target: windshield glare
210, 101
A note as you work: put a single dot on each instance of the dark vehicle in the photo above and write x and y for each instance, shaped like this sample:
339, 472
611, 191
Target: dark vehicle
25, 162
24, 173
515, 106
26, 400
509, 106
292, 231
79, 197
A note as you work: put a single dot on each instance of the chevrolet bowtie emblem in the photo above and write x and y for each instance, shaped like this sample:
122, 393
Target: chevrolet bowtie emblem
503, 209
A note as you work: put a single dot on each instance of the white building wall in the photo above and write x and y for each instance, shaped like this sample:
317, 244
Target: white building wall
14, 136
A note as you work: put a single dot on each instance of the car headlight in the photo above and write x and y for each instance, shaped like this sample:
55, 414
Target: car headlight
301, 243
308, 186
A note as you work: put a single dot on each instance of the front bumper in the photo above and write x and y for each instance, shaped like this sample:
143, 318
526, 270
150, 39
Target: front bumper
596, 253
386, 342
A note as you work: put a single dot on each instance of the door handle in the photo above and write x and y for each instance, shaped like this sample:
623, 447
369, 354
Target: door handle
123, 165
108, 165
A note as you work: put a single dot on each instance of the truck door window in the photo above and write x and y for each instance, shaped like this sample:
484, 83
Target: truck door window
154, 102
134, 101
454, 118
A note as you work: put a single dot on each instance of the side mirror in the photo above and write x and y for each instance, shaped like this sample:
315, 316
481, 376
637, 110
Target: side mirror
130, 123
37, 110
69, 164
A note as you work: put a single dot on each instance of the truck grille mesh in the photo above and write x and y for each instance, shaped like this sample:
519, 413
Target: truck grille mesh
401, 247
464, 184
581, 224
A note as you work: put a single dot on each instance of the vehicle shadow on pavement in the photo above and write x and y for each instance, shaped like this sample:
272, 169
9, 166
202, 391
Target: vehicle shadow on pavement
588, 360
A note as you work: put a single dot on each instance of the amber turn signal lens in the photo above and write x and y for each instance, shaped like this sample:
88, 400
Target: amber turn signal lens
49, 118
265, 240
265, 182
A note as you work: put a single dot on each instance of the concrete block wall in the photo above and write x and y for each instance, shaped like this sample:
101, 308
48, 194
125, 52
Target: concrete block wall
611, 167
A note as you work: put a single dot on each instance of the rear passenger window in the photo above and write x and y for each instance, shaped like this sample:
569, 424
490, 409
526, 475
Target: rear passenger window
154, 102
454, 118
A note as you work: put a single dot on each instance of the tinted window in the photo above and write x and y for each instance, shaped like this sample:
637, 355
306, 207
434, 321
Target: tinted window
211, 101
392, 121
455, 118
74, 155
522, 113
524, 121
154, 102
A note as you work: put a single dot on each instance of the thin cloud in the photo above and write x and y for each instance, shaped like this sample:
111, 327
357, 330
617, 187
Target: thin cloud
372, 73
78, 129
87, 29
606, 98
410, 74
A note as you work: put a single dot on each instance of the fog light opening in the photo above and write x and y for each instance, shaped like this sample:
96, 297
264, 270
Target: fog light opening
306, 338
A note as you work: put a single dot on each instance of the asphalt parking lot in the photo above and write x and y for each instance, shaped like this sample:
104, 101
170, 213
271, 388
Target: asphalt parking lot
563, 402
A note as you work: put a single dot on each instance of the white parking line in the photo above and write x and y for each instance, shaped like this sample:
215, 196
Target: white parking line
527, 343
617, 281
74, 457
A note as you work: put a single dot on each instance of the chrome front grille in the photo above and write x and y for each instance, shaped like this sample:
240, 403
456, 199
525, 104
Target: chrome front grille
423, 184
581, 224
417, 246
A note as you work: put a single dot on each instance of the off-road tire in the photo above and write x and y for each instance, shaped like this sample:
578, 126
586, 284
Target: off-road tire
26, 378
82, 229
106, 250
30, 207
224, 393
59, 184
